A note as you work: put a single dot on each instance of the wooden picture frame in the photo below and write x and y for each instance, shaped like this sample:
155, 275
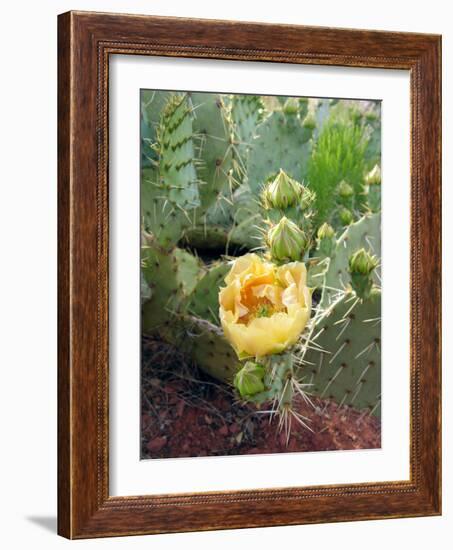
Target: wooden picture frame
85, 42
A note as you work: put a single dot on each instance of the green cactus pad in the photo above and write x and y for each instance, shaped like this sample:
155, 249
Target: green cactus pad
208, 237
366, 233
145, 289
373, 123
169, 187
213, 128
204, 344
246, 114
159, 269
212, 352
189, 270
152, 103
160, 217
171, 277
283, 143
316, 271
177, 173
348, 369
204, 300
248, 222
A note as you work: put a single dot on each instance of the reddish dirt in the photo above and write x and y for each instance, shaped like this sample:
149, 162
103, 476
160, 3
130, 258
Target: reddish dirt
187, 414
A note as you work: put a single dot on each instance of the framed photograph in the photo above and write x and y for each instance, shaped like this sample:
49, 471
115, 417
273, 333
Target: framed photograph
249, 275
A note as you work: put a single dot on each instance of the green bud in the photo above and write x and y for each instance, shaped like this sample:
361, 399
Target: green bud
309, 121
326, 240
374, 294
345, 190
361, 266
291, 106
374, 176
281, 192
346, 216
326, 231
286, 241
371, 116
362, 262
249, 380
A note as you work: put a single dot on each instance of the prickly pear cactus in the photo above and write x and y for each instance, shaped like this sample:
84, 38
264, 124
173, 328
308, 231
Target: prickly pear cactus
343, 360
224, 175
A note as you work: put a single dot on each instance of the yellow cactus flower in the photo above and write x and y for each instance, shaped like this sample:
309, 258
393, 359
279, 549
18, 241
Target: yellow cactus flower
264, 307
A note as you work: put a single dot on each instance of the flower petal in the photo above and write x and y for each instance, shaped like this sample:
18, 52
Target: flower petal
251, 279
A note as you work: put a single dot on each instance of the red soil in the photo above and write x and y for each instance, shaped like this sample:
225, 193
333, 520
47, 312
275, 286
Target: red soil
187, 414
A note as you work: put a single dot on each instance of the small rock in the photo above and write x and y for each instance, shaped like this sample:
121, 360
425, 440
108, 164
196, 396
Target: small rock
157, 444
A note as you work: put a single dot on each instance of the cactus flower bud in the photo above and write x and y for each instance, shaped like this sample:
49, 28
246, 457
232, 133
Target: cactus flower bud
345, 190
326, 240
282, 192
361, 265
326, 231
291, 106
309, 121
286, 241
374, 176
346, 217
362, 262
249, 380
371, 116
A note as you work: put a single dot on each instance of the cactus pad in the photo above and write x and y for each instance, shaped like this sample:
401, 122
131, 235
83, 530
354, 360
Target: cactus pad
171, 277
344, 361
283, 143
362, 234
204, 300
